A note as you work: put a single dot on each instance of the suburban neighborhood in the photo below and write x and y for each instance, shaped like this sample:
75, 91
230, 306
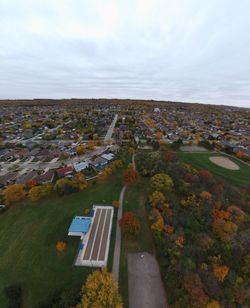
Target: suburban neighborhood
149, 192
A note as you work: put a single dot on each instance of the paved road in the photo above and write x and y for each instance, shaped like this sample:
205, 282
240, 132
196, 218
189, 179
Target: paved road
111, 129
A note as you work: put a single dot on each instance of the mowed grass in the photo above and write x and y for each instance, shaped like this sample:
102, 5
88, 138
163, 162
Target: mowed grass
29, 233
134, 201
240, 178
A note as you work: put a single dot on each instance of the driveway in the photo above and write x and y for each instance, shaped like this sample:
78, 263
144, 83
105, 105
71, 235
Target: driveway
145, 287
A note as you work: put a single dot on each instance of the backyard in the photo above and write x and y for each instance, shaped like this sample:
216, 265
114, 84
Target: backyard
28, 235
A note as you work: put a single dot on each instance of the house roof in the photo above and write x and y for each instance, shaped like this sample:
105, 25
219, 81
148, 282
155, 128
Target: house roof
80, 224
80, 166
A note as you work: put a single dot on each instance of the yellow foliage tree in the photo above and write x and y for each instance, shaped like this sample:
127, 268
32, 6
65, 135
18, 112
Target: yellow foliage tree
131, 151
158, 225
162, 182
80, 149
40, 191
100, 290
14, 193
116, 203
79, 181
91, 145
213, 304
157, 198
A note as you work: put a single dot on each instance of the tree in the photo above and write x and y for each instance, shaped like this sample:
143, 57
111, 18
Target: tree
205, 175
100, 290
91, 145
224, 229
206, 196
79, 181
158, 225
80, 149
162, 182
194, 288
40, 191
60, 246
14, 193
129, 223
157, 199
220, 272
116, 203
168, 156
130, 177
213, 304
131, 151
64, 186
102, 176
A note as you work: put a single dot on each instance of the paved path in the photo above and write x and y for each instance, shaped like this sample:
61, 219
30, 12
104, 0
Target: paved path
117, 252
111, 129
145, 288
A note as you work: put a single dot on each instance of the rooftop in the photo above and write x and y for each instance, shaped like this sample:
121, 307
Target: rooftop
80, 224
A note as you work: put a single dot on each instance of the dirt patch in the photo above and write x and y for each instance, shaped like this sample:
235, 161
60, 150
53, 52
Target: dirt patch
144, 282
224, 162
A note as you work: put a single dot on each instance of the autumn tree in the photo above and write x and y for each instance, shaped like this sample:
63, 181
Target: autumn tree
162, 182
130, 177
60, 246
100, 290
129, 224
80, 149
14, 193
157, 198
224, 229
102, 176
195, 290
64, 186
131, 151
220, 272
158, 225
206, 196
115, 203
213, 304
79, 181
205, 175
40, 191
91, 145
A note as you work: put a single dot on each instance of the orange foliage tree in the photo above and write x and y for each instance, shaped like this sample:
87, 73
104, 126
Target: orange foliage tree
220, 272
60, 246
205, 195
205, 175
130, 177
129, 223
116, 203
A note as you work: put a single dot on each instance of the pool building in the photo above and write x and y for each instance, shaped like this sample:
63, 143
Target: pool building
95, 233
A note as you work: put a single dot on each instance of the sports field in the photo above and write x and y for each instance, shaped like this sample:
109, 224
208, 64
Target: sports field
240, 178
28, 235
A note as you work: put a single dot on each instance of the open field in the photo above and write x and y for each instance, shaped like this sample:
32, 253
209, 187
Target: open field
240, 178
135, 199
28, 235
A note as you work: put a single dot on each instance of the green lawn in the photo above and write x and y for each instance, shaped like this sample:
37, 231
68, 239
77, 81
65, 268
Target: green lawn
29, 233
239, 178
135, 199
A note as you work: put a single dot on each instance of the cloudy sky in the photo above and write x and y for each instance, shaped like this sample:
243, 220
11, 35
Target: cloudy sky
184, 50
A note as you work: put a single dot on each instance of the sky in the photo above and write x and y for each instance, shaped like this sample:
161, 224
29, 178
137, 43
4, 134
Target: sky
180, 50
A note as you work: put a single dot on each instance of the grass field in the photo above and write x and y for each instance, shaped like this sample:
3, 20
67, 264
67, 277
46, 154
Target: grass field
135, 198
29, 233
240, 178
